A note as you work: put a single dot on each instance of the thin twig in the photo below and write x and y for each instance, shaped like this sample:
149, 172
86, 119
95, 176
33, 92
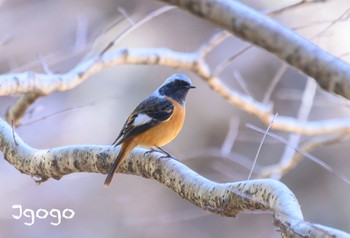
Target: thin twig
308, 146
242, 83
317, 142
319, 23
144, 20
278, 76
220, 68
126, 15
70, 109
260, 145
213, 42
331, 24
44, 65
282, 9
230, 136
306, 154
81, 32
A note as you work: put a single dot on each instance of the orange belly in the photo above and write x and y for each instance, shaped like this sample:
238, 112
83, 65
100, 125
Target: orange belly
165, 132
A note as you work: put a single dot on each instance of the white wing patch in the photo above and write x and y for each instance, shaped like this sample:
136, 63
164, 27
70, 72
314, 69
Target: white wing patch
141, 119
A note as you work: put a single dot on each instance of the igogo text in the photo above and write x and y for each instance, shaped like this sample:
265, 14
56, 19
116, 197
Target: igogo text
41, 213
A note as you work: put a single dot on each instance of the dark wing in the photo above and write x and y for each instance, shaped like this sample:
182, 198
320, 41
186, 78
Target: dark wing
153, 108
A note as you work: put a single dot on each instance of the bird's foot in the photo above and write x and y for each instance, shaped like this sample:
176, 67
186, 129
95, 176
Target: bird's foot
166, 153
150, 151
160, 150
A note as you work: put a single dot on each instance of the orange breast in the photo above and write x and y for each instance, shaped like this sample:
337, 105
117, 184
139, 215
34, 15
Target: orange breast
166, 131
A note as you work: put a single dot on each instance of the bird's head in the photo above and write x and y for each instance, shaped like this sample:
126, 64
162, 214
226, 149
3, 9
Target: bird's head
176, 87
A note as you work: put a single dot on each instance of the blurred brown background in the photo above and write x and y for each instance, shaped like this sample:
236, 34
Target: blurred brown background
61, 33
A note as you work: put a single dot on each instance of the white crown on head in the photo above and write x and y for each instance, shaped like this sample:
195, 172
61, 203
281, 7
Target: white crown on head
177, 76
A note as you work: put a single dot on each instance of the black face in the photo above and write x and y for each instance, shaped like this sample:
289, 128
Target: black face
176, 90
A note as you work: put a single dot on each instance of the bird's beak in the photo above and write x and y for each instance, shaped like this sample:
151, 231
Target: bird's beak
191, 86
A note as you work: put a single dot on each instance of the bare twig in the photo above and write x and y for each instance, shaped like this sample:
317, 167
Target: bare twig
242, 83
220, 68
126, 15
81, 32
278, 76
230, 136
44, 65
331, 24
293, 141
308, 146
70, 109
134, 26
317, 142
213, 42
282, 9
318, 23
260, 145
306, 154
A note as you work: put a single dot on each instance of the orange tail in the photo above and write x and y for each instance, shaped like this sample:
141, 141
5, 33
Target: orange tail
124, 151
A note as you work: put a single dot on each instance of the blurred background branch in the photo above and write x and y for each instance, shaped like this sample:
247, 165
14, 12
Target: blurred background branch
331, 73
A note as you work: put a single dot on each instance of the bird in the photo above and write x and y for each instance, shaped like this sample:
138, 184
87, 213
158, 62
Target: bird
155, 122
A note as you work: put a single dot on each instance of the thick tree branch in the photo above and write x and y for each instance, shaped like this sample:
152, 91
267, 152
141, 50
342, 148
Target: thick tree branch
227, 199
331, 73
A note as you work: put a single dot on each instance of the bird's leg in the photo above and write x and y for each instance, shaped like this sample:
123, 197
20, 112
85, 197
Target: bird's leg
167, 154
159, 149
